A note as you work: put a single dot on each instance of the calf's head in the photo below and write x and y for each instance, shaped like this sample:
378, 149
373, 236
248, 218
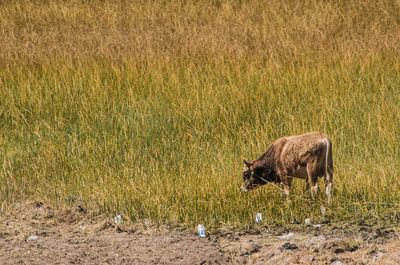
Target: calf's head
254, 176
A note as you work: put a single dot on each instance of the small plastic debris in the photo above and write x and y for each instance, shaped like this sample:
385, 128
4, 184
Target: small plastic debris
287, 237
323, 210
201, 230
336, 262
118, 219
70, 199
32, 238
307, 221
288, 246
318, 225
259, 218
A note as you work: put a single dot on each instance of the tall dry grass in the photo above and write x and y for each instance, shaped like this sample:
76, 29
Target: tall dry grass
148, 108
270, 31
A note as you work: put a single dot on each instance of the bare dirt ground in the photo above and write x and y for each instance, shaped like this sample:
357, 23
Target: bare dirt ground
35, 233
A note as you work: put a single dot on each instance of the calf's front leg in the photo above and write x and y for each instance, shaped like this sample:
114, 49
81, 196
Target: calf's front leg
287, 183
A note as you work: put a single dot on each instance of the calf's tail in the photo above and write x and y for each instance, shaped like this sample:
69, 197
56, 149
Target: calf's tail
328, 168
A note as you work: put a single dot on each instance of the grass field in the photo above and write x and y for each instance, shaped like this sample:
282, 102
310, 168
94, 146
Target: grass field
148, 108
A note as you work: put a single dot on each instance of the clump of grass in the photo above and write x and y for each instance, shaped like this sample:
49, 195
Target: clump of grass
141, 112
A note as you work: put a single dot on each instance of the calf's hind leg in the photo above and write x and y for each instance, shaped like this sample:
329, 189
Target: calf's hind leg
328, 184
312, 179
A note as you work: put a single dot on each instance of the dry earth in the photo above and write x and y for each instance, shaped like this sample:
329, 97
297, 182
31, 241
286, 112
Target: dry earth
35, 233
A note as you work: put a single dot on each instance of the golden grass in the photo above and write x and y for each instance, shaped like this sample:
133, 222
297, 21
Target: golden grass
148, 108
273, 31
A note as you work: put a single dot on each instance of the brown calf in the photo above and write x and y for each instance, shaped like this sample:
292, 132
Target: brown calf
307, 156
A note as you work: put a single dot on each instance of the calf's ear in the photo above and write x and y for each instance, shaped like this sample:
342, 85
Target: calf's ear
248, 163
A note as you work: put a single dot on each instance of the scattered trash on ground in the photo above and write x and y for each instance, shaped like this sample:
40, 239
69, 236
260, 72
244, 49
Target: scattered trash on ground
32, 238
56, 231
118, 219
288, 246
323, 210
71, 199
287, 237
201, 230
307, 221
259, 218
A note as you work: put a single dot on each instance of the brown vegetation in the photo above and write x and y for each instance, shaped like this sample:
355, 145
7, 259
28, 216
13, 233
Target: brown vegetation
274, 31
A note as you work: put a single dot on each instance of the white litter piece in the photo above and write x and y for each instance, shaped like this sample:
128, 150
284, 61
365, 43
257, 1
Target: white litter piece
323, 210
307, 221
32, 238
118, 219
201, 230
259, 218
287, 237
